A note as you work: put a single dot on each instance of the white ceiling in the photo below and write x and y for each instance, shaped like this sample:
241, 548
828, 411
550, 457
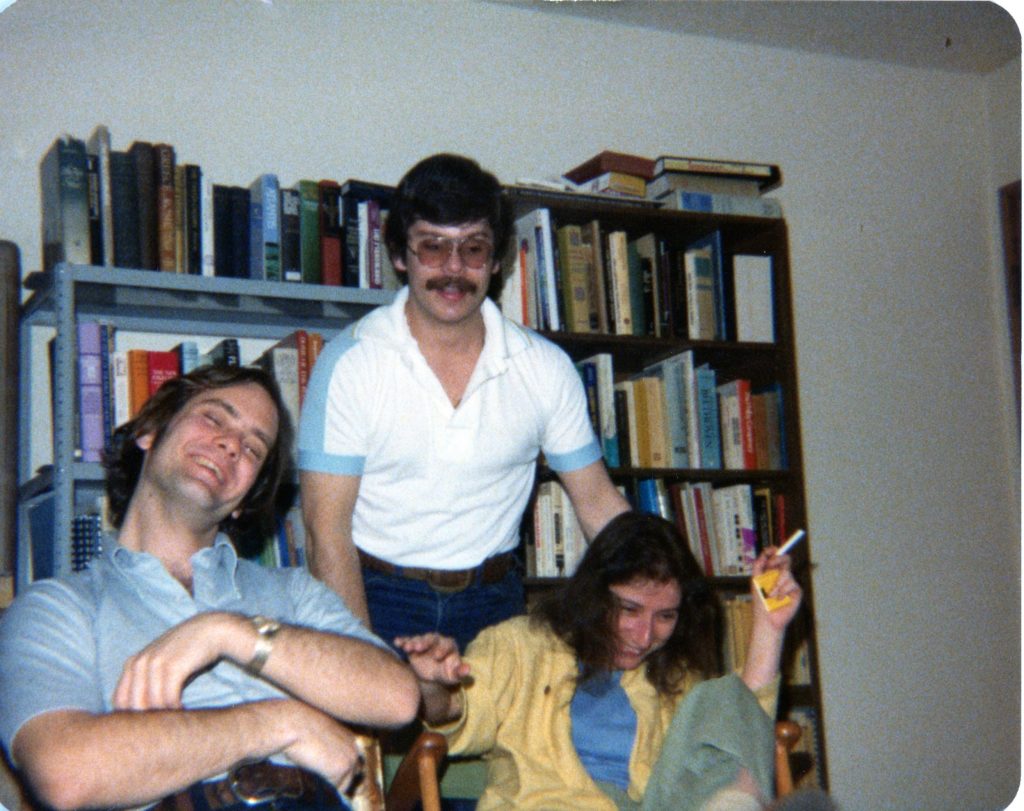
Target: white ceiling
971, 36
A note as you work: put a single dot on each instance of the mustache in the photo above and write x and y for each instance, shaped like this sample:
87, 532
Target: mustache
460, 283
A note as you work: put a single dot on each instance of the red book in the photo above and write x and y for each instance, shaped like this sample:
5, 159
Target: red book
330, 232
609, 161
163, 365
300, 341
165, 208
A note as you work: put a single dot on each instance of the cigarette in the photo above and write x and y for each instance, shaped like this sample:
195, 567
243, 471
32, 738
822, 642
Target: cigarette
791, 541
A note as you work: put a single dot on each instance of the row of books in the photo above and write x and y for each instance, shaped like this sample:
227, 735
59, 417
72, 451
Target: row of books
143, 208
588, 279
737, 620
726, 526
676, 414
554, 540
685, 183
113, 384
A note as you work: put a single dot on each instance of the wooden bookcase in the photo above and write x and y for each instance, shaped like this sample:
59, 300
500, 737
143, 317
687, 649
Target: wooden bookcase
175, 304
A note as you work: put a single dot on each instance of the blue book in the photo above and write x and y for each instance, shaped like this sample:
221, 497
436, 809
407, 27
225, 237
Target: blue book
647, 496
712, 243
265, 228
710, 431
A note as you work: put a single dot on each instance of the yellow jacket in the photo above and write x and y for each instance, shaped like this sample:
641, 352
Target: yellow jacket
516, 715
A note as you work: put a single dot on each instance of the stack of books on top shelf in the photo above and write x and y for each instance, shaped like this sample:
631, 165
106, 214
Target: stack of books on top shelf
675, 414
589, 279
685, 183
114, 383
144, 208
726, 526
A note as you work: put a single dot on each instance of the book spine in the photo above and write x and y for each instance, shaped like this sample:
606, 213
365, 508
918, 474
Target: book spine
64, 179
733, 204
138, 379
107, 332
162, 365
95, 210
144, 159
309, 231
291, 236
167, 253
193, 231
707, 399
207, 226
330, 233
90, 390
125, 210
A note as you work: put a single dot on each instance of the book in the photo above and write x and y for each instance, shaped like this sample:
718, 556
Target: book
207, 242
120, 387
616, 183
707, 409
667, 182
309, 231
64, 184
231, 213
767, 175
611, 161
162, 365
223, 353
735, 409
700, 294
650, 392
734, 204
753, 299
329, 208
107, 348
138, 380
359, 242
534, 227
144, 159
645, 248
621, 311
291, 235
125, 210
710, 246
191, 245
99, 145
93, 198
265, 228
675, 404
163, 164
607, 426
590, 237
299, 340
628, 424
188, 356
575, 259
91, 437
639, 280
281, 362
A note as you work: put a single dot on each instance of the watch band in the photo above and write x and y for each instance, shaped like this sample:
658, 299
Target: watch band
266, 630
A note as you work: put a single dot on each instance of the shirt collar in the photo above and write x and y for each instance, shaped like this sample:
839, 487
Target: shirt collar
213, 570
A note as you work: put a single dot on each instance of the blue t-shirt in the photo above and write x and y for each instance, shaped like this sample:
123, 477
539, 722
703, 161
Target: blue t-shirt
63, 643
604, 728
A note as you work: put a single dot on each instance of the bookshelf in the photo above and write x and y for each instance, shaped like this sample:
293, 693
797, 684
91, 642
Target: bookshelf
136, 301
177, 304
762, 363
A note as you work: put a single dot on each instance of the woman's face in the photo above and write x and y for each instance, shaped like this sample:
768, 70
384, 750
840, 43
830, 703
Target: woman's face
646, 616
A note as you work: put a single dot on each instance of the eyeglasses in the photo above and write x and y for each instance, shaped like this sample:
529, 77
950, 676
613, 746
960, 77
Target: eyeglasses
474, 251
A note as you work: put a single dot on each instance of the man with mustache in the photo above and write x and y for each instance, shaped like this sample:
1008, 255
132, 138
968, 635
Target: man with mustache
172, 671
423, 423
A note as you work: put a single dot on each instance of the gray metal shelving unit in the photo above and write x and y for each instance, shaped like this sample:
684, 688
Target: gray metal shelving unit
137, 301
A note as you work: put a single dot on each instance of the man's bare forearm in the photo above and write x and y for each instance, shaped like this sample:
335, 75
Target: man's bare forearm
74, 759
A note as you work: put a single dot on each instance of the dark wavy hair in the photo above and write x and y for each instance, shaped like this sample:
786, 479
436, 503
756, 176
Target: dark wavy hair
123, 459
447, 189
583, 611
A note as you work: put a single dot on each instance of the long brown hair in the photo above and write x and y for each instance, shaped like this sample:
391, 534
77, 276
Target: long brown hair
583, 611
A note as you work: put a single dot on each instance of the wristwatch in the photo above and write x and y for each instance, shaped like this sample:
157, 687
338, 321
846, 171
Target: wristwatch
266, 630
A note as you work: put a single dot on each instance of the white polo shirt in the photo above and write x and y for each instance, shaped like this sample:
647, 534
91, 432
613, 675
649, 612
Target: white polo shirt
441, 487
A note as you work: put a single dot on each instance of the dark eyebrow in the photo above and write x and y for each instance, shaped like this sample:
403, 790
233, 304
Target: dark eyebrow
230, 409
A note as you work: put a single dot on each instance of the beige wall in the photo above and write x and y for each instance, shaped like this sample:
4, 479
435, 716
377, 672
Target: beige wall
890, 180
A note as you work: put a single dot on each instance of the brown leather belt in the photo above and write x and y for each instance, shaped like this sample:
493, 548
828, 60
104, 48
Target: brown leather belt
491, 570
253, 784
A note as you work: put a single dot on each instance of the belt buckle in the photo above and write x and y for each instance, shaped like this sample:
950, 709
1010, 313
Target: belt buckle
460, 581
249, 788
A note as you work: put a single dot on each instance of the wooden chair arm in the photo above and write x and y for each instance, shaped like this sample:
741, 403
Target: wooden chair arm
418, 777
787, 733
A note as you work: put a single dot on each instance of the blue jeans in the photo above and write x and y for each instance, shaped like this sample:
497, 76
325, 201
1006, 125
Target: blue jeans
400, 606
